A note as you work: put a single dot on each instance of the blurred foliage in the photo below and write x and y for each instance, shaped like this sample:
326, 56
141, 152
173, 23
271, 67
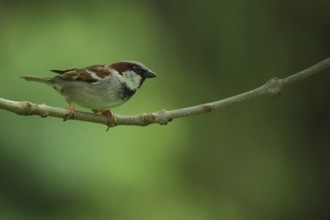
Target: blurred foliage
266, 159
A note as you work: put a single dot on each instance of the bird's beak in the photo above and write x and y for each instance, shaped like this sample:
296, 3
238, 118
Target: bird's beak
149, 74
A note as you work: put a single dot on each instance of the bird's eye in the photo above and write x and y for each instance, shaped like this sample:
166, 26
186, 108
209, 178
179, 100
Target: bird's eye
138, 69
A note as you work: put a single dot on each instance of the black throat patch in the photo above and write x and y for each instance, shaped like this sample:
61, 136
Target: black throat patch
125, 92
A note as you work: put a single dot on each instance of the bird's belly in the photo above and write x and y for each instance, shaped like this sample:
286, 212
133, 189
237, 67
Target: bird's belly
92, 96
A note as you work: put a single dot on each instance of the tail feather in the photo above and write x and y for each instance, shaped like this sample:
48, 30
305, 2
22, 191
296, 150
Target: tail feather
37, 79
63, 71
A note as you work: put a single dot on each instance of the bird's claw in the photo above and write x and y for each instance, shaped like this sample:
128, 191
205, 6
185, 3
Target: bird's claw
112, 121
72, 110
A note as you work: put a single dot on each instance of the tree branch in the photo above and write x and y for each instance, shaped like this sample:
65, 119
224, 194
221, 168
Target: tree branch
271, 88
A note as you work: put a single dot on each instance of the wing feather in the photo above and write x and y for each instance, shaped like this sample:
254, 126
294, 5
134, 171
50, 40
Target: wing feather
89, 74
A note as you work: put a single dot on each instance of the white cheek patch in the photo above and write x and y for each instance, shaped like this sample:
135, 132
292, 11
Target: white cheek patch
132, 80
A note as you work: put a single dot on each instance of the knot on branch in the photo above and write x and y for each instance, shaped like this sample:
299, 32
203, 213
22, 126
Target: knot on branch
148, 119
29, 108
207, 108
162, 117
273, 87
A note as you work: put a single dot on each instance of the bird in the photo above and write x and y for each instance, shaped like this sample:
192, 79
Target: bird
98, 87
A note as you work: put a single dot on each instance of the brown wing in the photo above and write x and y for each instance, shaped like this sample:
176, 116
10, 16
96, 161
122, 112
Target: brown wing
89, 74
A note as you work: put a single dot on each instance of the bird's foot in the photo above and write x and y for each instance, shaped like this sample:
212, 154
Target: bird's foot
72, 110
112, 121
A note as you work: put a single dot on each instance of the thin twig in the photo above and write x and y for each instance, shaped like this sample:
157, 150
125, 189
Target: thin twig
271, 88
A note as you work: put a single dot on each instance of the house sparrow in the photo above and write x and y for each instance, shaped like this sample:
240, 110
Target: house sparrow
98, 87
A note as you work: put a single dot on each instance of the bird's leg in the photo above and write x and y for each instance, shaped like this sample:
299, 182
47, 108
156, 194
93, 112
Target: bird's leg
71, 109
112, 121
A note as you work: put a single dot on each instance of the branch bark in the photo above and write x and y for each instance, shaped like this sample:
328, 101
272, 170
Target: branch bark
271, 88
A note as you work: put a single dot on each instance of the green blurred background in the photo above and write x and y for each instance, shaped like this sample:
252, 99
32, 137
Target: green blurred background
266, 159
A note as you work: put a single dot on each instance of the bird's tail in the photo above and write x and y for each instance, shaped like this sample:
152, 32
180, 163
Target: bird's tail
37, 79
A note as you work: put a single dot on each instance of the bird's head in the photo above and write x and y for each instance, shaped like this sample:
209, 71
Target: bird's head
133, 73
